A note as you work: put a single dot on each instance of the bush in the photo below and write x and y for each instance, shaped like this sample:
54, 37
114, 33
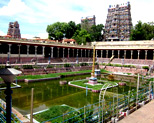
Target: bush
117, 65
27, 67
145, 67
77, 65
104, 64
50, 66
16, 67
109, 64
36, 66
96, 63
83, 64
1, 67
67, 65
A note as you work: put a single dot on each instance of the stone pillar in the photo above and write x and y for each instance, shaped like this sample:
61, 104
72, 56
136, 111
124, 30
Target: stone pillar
77, 52
51, 52
138, 54
101, 53
92, 53
81, 53
146, 51
43, 50
124, 54
112, 52
88, 53
63, 52
73, 52
36, 51
27, 50
19, 52
10, 48
96, 53
106, 53
58, 52
118, 54
153, 54
131, 54
85, 52
68, 52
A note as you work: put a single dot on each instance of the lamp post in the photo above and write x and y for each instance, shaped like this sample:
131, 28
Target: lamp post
8, 74
93, 79
93, 66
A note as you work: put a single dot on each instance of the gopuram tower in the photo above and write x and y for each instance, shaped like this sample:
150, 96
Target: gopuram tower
14, 30
118, 23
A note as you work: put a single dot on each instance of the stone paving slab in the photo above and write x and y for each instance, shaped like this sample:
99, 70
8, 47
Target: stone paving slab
143, 115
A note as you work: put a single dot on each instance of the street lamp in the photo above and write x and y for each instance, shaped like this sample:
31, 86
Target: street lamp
8, 74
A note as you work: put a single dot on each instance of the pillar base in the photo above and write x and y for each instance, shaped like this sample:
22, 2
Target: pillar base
92, 80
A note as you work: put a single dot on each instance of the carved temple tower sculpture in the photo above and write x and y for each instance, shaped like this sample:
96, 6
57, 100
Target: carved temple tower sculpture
14, 30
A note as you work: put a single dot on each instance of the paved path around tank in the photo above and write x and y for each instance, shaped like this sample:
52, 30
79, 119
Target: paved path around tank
143, 115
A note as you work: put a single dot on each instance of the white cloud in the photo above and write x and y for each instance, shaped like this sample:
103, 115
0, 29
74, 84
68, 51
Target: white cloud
43, 35
44, 12
28, 36
2, 33
14, 7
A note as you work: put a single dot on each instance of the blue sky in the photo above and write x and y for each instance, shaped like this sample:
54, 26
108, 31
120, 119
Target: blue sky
34, 15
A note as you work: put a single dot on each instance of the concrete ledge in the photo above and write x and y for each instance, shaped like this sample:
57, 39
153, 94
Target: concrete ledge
75, 74
43, 79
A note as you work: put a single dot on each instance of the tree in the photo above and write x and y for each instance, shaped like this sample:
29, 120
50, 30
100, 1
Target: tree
57, 30
71, 29
82, 36
97, 32
142, 31
85, 25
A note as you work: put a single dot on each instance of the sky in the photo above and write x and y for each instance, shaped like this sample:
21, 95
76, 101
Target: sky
33, 16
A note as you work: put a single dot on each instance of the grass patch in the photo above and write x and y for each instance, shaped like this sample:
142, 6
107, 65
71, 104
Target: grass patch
50, 75
53, 75
53, 112
82, 83
37, 76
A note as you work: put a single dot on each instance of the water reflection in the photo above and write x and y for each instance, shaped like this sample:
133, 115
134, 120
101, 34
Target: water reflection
49, 93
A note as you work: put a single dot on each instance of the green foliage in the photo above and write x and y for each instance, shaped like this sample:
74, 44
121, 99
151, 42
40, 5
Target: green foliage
54, 111
145, 67
67, 65
86, 26
93, 87
119, 65
16, 67
96, 32
1, 66
27, 67
88, 33
57, 30
83, 64
71, 29
142, 31
77, 65
82, 36
109, 64
50, 66
96, 63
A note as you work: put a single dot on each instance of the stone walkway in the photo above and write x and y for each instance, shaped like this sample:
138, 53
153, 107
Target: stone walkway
143, 115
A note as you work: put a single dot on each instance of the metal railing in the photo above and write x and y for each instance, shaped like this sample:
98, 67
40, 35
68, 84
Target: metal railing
104, 111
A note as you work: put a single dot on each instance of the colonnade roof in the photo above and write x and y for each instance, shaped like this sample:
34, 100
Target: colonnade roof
121, 45
112, 45
44, 43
